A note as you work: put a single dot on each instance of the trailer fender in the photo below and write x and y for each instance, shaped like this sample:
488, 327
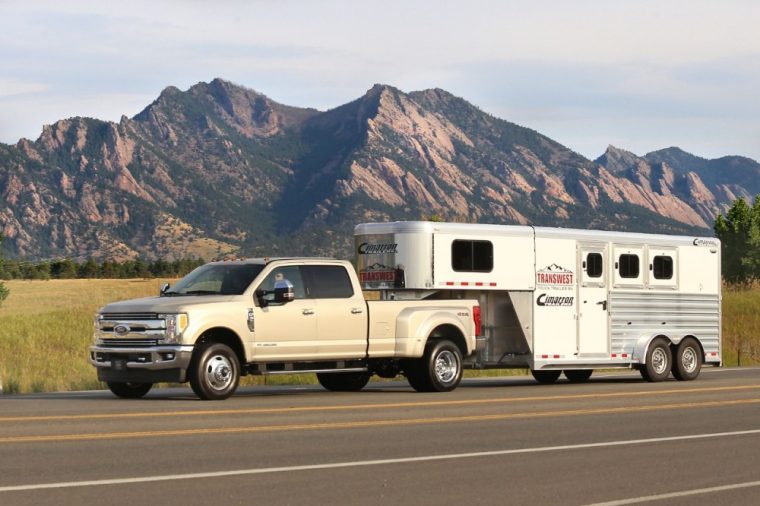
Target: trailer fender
415, 325
642, 346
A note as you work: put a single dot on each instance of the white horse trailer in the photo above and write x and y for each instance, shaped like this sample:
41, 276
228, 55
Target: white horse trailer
554, 299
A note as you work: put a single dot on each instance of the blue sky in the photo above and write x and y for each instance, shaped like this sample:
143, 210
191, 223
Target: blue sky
640, 75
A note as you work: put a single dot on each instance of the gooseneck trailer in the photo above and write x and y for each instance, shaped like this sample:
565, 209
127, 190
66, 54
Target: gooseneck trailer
554, 300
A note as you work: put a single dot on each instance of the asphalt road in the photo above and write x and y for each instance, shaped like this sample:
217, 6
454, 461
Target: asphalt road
492, 441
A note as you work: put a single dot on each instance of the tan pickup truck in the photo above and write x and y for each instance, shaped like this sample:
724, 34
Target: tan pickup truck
228, 319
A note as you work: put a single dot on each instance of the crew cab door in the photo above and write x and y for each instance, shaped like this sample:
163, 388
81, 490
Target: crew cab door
285, 331
341, 312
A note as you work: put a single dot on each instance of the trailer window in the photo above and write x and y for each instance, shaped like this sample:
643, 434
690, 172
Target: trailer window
472, 256
594, 265
663, 267
328, 282
628, 266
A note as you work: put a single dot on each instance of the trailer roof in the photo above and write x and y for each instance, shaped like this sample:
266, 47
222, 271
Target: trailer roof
520, 230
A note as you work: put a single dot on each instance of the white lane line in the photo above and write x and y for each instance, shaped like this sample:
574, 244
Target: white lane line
673, 495
362, 463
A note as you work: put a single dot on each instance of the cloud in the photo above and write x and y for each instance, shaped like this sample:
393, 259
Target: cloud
10, 87
614, 69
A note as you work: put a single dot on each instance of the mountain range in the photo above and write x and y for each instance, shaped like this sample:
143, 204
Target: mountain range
220, 168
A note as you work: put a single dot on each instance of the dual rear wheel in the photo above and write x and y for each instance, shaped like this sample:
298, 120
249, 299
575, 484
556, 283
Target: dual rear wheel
439, 369
684, 360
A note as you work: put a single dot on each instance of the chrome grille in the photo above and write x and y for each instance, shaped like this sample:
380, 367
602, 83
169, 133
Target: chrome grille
129, 316
127, 343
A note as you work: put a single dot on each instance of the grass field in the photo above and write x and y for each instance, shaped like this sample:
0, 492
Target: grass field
46, 327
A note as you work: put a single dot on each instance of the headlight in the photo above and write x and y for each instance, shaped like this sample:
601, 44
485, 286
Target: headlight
95, 327
175, 325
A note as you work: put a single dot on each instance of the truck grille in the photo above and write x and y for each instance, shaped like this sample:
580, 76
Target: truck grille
128, 343
129, 316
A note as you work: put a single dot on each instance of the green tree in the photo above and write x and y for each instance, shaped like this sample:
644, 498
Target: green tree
739, 233
89, 269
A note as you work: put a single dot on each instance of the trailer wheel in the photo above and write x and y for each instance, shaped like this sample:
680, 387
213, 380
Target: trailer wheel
578, 375
688, 360
216, 372
546, 377
439, 370
343, 381
129, 390
658, 360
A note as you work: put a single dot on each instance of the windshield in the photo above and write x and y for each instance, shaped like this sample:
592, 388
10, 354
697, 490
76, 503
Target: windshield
216, 279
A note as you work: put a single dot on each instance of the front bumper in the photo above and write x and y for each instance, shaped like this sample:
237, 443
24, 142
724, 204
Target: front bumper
152, 364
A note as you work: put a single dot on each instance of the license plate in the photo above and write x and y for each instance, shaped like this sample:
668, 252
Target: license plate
119, 365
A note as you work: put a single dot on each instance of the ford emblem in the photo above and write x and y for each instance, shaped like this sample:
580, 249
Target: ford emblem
121, 330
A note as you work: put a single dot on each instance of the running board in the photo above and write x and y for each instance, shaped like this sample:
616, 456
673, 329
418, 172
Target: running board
302, 371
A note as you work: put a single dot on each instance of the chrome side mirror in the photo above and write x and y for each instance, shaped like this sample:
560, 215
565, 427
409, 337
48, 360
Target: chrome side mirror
164, 288
283, 291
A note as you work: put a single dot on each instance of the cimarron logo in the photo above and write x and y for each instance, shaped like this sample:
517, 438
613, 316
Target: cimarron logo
548, 300
366, 248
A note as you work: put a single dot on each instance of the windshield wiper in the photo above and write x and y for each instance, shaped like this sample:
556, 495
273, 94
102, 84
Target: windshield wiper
201, 292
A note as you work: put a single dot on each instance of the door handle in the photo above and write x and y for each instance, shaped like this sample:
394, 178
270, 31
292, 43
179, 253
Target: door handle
604, 304
307, 312
356, 310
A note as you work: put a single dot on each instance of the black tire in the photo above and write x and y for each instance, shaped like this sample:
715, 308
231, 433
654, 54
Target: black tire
129, 390
658, 361
343, 381
578, 375
439, 370
546, 377
688, 360
214, 372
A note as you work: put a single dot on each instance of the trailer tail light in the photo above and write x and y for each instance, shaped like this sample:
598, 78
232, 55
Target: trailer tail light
476, 319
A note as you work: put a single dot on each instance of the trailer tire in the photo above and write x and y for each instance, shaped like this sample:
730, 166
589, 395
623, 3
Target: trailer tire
439, 370
688, 360
658, 361
546, 377
578, 375
129, 390
214, 372
343, 381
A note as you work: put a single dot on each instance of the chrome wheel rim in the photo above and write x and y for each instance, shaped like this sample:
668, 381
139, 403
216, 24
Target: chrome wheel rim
689, 360
659, 360
446, 366
218, 372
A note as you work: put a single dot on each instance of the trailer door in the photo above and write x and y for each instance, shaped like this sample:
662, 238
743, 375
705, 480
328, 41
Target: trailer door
593, 336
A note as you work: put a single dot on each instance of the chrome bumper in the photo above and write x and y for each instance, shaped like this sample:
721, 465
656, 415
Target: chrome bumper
153, 358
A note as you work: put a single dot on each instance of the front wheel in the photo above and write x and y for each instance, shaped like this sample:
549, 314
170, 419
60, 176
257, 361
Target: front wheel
129, 390
439, 370
215, 374
343, 381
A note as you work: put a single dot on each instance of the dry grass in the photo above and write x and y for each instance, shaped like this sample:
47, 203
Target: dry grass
46, 327
741, 326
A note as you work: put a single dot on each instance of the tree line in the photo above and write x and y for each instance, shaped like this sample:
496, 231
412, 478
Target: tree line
90, 269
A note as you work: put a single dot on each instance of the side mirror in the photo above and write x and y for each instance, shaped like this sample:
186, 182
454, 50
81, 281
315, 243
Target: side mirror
283, 292
164, 287
261, 297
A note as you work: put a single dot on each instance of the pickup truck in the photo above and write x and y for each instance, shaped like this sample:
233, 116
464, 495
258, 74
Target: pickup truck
228, 319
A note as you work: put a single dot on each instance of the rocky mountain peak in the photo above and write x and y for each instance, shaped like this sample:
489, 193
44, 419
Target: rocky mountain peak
221, 167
